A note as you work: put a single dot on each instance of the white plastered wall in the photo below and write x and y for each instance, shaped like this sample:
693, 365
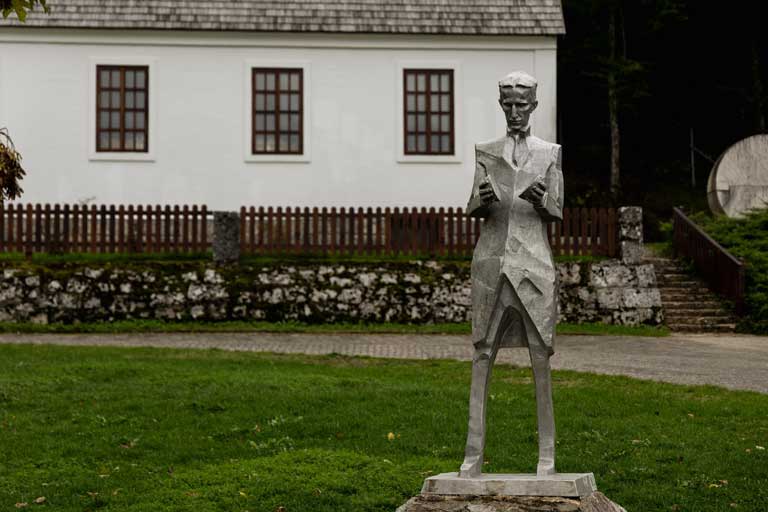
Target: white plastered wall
199, 96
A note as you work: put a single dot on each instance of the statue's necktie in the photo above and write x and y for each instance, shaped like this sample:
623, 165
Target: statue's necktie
520, 150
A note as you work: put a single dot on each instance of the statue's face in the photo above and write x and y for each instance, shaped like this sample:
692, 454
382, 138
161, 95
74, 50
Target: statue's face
518, 103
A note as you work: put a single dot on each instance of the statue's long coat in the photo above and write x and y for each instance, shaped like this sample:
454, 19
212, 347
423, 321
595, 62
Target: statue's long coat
513, 242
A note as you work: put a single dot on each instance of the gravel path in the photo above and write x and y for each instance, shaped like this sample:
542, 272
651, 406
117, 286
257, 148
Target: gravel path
731, 361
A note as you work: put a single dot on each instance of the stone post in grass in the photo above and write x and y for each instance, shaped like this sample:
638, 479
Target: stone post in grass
226, 237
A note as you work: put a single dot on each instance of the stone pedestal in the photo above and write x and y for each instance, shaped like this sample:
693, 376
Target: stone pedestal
595, 502
568, 485
565, 492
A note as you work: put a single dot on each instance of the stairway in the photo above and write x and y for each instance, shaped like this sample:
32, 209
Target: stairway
689, 305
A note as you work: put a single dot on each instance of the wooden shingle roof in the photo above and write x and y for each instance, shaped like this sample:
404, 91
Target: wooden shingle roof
463, 17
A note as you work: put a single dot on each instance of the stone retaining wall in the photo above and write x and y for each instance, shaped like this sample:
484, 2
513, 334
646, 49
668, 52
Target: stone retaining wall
419, 292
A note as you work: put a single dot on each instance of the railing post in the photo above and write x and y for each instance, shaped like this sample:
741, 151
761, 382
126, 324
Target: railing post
226, 237
675, 228
631, 233
740, 290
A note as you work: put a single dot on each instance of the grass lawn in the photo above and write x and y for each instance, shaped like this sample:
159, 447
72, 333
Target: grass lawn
132, 326
183, 430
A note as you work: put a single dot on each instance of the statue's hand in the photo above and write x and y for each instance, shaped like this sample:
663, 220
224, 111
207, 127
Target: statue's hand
535, 193
487, 194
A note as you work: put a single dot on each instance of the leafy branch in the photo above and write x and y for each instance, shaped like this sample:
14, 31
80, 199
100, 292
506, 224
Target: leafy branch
11, 171
20, 7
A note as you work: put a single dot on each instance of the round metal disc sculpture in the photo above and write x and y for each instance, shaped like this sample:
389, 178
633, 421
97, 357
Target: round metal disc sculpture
739, 179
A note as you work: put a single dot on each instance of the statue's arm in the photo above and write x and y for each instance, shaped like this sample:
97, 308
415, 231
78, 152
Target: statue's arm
551, 207
476, 206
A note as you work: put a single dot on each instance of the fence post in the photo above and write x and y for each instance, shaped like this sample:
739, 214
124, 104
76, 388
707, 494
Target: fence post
631, 233
226, 237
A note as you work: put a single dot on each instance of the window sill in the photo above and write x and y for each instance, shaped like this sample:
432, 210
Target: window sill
267, 158
121, 157
429, 159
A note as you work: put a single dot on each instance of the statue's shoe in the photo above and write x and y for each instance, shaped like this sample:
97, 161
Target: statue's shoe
546, 467
471, 467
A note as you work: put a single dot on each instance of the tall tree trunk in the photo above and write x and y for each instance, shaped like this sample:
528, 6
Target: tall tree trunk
758, 89
613, 108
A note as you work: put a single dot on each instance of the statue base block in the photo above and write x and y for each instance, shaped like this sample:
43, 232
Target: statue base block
563, 492
595, 502
566, 485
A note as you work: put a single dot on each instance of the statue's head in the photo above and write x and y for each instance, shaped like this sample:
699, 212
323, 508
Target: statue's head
517, 97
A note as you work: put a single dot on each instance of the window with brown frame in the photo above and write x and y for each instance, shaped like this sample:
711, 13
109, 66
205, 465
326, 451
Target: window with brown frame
278, 108
428, 107
122, 108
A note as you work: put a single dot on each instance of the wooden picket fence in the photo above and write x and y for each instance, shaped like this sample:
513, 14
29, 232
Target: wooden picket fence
406, 231
103, 229
418, 232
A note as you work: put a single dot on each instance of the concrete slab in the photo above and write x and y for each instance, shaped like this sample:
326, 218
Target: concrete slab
567, 485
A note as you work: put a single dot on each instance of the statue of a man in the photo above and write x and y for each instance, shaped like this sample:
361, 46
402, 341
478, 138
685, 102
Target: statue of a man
518, 189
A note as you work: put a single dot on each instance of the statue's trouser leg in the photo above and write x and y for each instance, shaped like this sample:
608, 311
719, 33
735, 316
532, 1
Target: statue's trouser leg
544, 408
482, 364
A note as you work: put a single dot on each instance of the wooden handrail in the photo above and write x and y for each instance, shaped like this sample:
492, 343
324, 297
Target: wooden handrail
700, 232
723, 272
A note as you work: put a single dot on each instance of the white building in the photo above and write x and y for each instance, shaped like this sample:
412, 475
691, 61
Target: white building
257, 102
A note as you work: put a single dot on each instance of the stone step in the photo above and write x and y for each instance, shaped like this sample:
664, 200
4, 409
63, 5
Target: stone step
689, 304
699, 320
688, 285
688, 318
682, 284
653, 258
671, 322
722, 313
700, 328
671, 269
676, 276
705, 307
710, 320
697, 297
676, 279
692, 312
684, 289
690, 298
662, 278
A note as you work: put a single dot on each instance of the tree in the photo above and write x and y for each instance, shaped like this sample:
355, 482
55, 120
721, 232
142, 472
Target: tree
21, 7
605, 78
613, 103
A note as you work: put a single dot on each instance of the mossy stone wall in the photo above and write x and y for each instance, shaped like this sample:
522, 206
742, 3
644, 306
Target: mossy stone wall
415, 292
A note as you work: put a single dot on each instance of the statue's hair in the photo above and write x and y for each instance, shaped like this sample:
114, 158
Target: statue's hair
519, 79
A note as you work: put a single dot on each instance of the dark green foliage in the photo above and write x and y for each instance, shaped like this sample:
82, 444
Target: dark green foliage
138, 430
747, 239
20, 7
675, 58
11, 171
